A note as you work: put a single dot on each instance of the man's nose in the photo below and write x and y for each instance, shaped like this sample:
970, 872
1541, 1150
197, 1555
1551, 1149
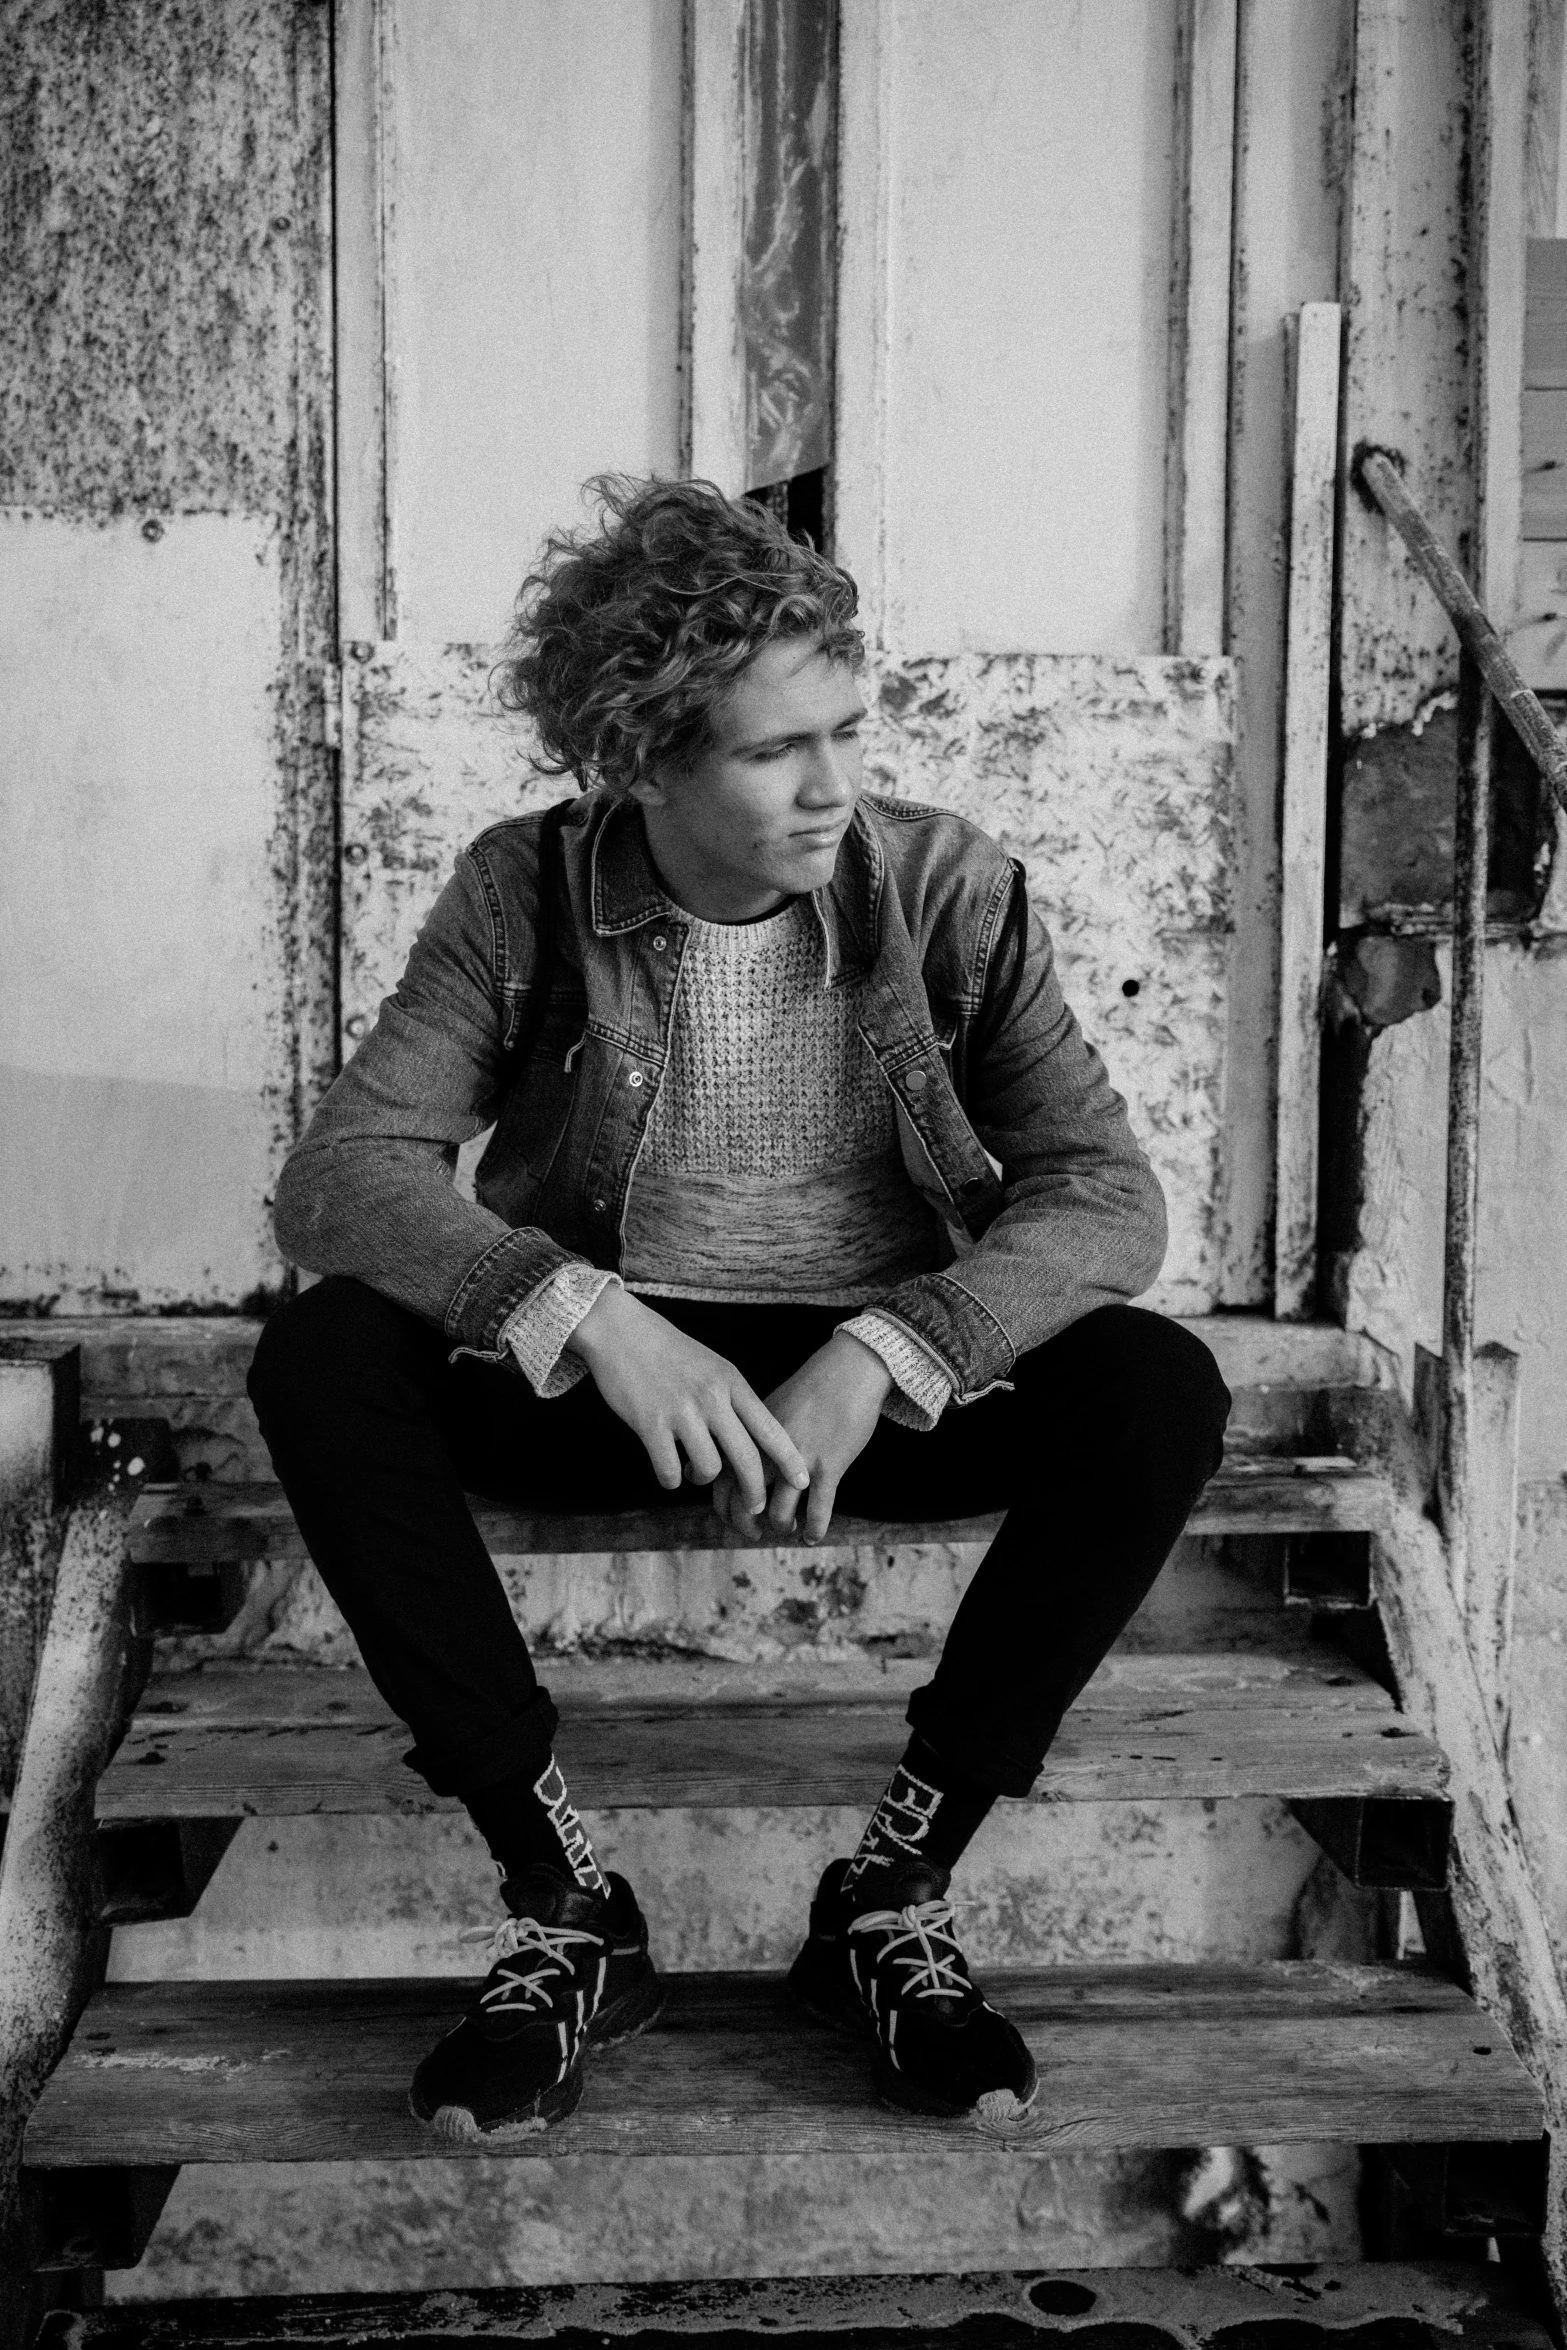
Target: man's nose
831, 778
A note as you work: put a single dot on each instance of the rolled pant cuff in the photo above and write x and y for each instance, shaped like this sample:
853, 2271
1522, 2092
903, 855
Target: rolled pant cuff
524, 1744
970, 1746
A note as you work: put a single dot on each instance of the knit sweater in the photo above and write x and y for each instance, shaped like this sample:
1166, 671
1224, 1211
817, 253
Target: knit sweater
771, 1171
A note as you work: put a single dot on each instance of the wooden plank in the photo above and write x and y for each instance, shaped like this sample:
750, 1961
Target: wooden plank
1130, 2057
1303, 843
1539, 642
715, 257
1174, 1733
1545, 464
1498, 249
1488, 1595
1286, 239
205, 1524
1545, 344
1197, 454
864, 327
360, 319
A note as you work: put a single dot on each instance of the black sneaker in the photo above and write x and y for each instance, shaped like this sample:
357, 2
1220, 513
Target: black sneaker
896, 1973
570, 1967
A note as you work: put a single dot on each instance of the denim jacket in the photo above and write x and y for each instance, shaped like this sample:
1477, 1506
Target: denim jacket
959, 1008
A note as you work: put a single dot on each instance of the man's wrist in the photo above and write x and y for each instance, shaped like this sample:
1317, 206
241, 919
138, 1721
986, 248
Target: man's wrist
597, 1326
864, 1362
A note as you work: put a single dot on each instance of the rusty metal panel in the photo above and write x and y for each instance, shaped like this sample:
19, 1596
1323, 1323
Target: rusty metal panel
790, 234
1109, 777
146, 334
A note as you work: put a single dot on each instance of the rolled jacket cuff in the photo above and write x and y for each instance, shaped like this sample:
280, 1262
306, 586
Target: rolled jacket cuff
538, 1332
922, 1388
501, 1280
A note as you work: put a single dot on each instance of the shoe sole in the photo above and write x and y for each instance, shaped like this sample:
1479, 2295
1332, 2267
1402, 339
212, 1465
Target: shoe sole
636, 2008
993, 2109
458, 2126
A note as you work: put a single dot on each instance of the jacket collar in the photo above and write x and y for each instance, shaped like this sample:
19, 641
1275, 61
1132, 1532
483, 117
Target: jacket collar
626, 892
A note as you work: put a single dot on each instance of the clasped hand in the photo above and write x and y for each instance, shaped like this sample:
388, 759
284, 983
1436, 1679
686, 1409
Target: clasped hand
681, 1398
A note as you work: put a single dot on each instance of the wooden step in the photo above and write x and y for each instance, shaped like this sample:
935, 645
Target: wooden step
282, 1741
1144, 2056
1458, 2305
208, 1524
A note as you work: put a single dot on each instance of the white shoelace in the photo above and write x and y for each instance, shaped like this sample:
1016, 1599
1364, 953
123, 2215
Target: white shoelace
548, 1946
929, 1973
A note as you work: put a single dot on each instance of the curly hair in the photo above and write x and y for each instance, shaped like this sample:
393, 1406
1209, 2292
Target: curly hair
626, 636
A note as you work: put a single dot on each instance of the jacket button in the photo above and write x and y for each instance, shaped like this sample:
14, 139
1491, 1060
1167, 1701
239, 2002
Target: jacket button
916, 1081
659, 944
635, 1078
599, 1205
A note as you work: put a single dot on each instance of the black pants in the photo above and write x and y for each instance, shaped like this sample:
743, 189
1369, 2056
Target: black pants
1097, 1452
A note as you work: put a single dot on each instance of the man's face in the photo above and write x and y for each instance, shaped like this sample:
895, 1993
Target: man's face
759, 815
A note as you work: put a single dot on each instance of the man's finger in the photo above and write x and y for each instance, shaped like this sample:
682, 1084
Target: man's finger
744, 1460
782, 1505
773, 1437
703, 1458
665, 1457
818, 1508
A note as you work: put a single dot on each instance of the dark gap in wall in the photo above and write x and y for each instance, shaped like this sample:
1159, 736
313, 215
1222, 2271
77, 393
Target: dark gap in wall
800, 504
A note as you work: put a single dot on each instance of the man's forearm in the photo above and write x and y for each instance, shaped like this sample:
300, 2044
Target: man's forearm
386, 1212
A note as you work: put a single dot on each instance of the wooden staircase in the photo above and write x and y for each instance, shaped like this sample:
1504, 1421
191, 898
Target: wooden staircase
1268, 1681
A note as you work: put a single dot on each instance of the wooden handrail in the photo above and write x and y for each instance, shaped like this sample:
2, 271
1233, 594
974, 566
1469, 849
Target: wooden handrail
1377, 472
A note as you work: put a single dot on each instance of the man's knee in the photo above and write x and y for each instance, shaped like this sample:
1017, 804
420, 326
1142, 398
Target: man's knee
335, 1331
1158, 1381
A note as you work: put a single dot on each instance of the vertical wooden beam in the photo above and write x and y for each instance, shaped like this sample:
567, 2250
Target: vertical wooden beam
1407, 375
1291, 104
1497, 256
1303, 844
1196, 456
715, 41
359, 302
859, 526
1493, 1538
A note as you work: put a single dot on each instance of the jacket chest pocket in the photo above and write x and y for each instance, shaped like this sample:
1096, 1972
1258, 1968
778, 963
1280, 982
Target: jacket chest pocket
538, 1105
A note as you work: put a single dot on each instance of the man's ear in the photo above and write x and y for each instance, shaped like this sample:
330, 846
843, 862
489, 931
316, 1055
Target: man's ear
649, 790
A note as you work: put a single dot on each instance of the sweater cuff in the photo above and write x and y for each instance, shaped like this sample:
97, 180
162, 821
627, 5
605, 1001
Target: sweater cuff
921, 1389
537, 1332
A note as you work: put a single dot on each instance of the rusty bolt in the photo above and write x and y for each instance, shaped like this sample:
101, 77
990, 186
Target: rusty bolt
152, 530
360, 651
355, 1024
355, 853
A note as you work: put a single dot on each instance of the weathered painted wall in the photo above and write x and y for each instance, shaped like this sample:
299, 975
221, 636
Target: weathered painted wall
166, 497
532, 253
1028, 259
140, 962
1392, 1290
1109, 777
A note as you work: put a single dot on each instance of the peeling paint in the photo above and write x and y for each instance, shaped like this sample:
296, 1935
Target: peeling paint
1408, 345
1109, 776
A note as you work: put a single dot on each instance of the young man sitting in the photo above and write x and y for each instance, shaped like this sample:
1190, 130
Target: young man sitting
754, 1047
